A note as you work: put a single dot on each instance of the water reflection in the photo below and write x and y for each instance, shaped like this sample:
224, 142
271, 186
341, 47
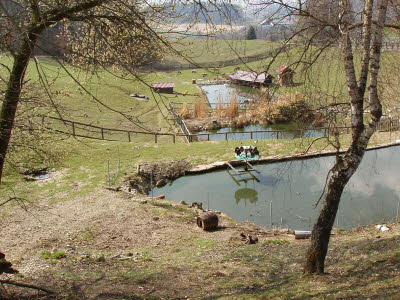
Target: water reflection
246, 194
291, 190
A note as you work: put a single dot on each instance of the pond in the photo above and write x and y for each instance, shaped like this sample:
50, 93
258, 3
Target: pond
285, 193
226, 92
259, 132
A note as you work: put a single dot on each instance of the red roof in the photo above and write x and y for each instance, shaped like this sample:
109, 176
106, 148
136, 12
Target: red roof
283, 68
163, 85
250, 76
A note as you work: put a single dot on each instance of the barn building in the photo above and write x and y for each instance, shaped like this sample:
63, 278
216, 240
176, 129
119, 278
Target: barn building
163, 87
285, 75
251, 78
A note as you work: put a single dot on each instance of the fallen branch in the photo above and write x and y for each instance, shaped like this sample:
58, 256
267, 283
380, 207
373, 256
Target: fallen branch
24, 285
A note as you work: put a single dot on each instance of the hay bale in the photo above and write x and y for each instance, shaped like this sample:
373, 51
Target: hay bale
207, 221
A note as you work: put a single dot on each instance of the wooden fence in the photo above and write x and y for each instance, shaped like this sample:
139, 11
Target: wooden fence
78, 129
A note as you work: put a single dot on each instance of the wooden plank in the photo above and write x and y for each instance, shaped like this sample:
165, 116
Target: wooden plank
229, 165
252, 168
233, 177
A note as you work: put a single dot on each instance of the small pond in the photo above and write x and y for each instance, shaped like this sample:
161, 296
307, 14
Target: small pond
286, 131
289, 190
226, 92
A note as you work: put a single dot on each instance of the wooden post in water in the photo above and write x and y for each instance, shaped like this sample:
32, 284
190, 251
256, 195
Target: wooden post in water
270, 214
226, 136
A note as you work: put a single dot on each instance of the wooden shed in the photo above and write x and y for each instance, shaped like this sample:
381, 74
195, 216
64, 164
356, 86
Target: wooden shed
163, 87
251, 78
285, 75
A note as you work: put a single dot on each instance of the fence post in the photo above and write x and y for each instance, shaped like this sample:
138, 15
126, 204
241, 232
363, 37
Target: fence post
129, 136
208, 137
155, 138
251, 135
73, 128
102, 133
226, 136
173, 138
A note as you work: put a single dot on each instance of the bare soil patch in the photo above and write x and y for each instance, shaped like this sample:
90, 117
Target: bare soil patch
120, 246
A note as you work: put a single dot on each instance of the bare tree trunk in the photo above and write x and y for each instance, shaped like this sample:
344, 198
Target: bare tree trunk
13, 92
347, 164
315, 257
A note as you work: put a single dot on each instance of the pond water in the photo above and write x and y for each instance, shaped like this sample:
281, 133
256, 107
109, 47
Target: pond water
289, 190
226, 92
287, 131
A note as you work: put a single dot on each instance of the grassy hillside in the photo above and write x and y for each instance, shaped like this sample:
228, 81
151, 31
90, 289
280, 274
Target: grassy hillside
85, 242
208, 51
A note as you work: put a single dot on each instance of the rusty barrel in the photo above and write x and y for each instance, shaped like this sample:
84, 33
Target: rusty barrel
207, 221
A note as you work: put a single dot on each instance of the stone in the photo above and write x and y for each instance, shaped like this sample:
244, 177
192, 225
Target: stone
161, 183
183, 203
143, 202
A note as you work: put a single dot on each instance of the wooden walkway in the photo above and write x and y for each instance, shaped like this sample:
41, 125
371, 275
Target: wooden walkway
242, 172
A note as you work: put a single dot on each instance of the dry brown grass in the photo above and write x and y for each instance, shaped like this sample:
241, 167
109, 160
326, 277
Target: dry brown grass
185, 112
227, 110
232, 111
200, 109
220, 108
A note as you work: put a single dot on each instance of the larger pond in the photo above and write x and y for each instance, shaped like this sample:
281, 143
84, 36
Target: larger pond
225, 93
284, 194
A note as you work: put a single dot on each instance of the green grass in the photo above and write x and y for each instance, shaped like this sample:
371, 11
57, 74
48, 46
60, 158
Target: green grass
55, 255
208, 51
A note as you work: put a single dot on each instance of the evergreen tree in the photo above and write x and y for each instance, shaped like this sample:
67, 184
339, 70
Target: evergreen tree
251, 34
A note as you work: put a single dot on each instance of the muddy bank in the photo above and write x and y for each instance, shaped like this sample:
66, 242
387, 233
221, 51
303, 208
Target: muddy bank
206, 124
155, 174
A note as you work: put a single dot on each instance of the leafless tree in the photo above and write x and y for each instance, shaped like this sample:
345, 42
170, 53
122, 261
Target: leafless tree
356, 29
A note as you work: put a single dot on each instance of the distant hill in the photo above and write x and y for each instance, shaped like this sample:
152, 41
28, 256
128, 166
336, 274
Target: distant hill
207, 13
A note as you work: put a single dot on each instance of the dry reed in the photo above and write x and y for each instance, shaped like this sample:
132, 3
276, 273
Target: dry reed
185, 112
219, 109
232, 110
200, 109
